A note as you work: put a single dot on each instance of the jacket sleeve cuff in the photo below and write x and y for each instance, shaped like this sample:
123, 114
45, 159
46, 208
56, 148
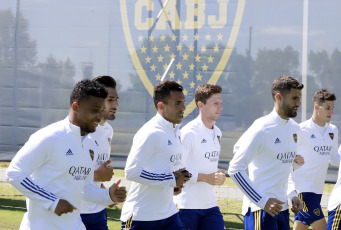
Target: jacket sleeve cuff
53, 206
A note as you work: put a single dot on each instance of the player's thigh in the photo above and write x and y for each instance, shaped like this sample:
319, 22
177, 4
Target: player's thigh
320, 224
189, 218
95, 221
171, 223
261, 220
298, 225
212, 219
312, 210
334, 218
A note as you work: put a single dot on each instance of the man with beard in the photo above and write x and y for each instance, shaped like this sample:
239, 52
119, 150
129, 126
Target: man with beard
54, 168
268, 149
153, 165
94, 216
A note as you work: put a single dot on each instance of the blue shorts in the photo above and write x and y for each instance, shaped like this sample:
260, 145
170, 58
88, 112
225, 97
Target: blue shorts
334, 218
170, 223
261, 220
197, 219
95, 221
311, 210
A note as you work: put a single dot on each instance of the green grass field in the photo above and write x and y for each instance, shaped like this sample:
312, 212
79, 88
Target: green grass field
12, 207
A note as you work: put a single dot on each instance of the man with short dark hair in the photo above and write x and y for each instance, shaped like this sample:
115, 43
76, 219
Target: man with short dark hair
268, 149
317, 144
153, 165
201, 149
94, 216
54, 168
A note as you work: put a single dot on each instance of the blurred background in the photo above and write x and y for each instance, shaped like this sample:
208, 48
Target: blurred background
48, 46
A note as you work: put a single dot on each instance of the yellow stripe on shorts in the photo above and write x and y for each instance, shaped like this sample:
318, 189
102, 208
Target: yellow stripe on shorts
336, 220
257, 219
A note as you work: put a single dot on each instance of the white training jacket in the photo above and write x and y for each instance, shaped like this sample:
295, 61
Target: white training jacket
267, 149
317, 151
55, 164
154, 155
335, 198
102, 136
201, 152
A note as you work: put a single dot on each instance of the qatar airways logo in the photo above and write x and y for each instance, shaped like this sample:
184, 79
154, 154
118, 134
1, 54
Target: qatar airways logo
176, 159
79, 173
212, 156
286, 157
323, 150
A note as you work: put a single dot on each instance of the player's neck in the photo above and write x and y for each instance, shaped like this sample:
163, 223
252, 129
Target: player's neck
102, 121
318, 121
207, 122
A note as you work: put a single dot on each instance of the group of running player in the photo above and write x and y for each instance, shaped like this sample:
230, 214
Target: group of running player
287, 160
62, 167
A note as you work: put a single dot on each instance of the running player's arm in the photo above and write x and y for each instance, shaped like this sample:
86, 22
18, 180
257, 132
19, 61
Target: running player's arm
187, 142
95, 194
30, 157
143, 149
245, 150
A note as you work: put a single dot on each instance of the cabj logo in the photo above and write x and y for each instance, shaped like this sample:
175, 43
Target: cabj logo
186, 41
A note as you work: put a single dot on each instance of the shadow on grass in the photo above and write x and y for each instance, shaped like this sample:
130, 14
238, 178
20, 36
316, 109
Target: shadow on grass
21, 204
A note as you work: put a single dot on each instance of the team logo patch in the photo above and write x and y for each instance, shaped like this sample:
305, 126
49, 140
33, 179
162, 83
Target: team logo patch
218, 138
295, 137
185, 41
317, 212
92, 154
331, 135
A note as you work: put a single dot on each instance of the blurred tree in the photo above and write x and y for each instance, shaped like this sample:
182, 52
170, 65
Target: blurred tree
26, 46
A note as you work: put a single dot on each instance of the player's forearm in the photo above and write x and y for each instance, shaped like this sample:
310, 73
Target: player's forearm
150, 178
26, 186
97, 195
248, 188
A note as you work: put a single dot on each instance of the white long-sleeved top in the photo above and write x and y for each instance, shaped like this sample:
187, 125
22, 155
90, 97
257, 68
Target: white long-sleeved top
317, 151
154, 155
55, 164
267, 149
102, 137
201, 152
335, 198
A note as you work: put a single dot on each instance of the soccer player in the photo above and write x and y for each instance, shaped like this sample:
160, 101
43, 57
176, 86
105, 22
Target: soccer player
54, 168
201, 149
94, 216
334, 204
153, 165
268, 149
317, 143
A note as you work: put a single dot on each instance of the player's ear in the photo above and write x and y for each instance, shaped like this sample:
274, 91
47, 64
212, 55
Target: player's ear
160, 106
278, 96
316, 106
200, 105
75, 106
